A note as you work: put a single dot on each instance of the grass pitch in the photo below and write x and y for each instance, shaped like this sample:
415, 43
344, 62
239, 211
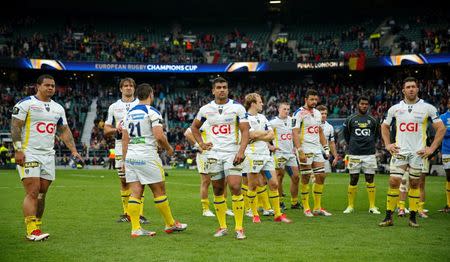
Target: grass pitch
83, 205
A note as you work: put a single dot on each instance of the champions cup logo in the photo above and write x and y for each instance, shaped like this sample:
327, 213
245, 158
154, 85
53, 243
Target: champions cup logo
312, 130
407, 59
242, 67
409, 127
46, 64
221, 129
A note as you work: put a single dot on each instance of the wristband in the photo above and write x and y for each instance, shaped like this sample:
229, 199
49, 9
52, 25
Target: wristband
17, 146
326, 149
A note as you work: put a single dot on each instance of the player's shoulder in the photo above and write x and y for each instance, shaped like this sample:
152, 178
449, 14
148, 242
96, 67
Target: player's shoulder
139, 107
426, 104
27, 99
235, 104
300, 110
57, 105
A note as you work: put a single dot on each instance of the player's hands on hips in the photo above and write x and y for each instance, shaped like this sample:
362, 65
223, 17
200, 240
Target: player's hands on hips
425, 152
393, 149
119, 128
273, 148
170, 151
239, 158
19, 156
206, 146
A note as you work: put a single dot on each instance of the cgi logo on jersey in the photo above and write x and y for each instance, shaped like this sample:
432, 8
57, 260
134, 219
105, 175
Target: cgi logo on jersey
287, 136
362, 132
312, 130
43, 127
221, 129
409, 127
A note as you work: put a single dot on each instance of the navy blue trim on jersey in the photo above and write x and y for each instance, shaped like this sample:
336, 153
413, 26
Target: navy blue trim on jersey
154, 109
60, 121
24, 99
139, 107
203, 119
296, 111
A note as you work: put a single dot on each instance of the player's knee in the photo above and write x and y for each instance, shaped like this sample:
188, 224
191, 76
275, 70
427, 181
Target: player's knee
273, 184
369, 178
395, 181
354, 178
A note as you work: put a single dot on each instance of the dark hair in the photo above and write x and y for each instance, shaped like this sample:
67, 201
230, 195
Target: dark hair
311, 92
363, 97
249, 99
40, 79
410, 79
143, 91
127, 79
322, 108
218, 79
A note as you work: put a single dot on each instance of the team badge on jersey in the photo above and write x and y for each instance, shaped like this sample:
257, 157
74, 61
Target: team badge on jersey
47, 107
15, 110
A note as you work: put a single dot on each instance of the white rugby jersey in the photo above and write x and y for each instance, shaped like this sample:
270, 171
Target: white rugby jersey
41, 121
328, 132
116, 114
308, 121
258, 122
223, 124
411, 124
282, 129
139, 122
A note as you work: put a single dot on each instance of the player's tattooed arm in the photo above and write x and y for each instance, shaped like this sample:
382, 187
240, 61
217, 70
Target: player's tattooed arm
16, 134
16, 129
66, 136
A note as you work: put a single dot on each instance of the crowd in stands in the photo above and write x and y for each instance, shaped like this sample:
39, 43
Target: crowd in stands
421, 34
77, 41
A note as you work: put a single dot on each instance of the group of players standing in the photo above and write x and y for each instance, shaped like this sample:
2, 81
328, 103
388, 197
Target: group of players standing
238, 148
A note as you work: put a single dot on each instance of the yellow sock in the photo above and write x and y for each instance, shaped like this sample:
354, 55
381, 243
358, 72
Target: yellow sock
305, 196
263, 197
392, 198
30, 222
275, 202
221, 208
141, 211
448, 193
244, 189
38, 222
351, 194
317, 189
205, 204
294, 200
371, 190
420, 206
125, 196
401, 204
413, 197
252, 200
238, 210
134, 206
162, 204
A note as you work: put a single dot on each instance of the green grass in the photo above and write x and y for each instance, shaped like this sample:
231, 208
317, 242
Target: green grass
82, 206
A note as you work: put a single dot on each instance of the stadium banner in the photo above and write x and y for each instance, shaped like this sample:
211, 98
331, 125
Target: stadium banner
412, 59
48, 64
